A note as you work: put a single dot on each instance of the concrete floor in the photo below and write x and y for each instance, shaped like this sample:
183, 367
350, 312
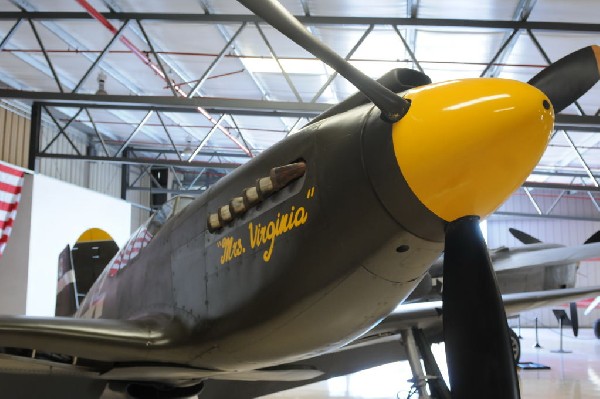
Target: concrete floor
573, 375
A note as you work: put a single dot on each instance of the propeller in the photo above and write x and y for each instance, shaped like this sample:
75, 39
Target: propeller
392, 106
478, 350
570, 77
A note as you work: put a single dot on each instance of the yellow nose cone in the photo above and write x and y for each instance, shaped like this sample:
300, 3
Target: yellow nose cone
465, 146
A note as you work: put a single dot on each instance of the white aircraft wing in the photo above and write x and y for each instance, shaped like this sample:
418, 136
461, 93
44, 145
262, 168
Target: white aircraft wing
428, 315
548, 257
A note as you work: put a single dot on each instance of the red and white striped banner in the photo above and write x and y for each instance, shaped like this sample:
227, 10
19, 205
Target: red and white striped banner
11, 183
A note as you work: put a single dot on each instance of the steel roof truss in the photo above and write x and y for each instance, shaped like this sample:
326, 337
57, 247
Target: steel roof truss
41, 44
168, 135
10, 33
134, 132
62, 130
100, 56
347, 58
276, 59
214, 63
160, 64
408, 49
533, 201
206, 138
581, 160
89, 115
212, 18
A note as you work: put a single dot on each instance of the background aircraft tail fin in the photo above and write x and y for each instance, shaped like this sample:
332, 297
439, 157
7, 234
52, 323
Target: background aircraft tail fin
66, 294
523, 237
593, 238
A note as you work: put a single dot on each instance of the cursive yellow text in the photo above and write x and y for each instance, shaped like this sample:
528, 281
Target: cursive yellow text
260, 234
231, 248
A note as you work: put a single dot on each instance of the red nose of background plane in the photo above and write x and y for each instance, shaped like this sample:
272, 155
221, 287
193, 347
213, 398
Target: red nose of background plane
467, 145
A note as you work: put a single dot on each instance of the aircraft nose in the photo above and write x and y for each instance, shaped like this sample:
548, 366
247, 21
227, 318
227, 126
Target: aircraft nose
466, 145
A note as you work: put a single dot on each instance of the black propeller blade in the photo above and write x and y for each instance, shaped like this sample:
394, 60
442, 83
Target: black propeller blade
570, 77
392, 106
478, 348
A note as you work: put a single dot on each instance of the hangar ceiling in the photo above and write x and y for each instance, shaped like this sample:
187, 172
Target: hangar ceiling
203, 85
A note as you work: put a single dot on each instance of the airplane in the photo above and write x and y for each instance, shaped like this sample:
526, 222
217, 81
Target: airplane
536, 266
309, 245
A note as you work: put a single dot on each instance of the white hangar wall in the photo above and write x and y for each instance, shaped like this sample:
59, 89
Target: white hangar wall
571, 221
51, 215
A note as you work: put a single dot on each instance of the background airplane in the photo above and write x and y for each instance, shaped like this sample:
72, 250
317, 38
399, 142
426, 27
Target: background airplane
309, 245
383, 344
535, 266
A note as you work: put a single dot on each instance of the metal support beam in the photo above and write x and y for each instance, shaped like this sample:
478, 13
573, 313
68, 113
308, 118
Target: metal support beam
212, 152
41, 44
501, 53
558, 217
162, 122
533, 201
141, 161
160, 64
163, 190
580, 158
347, 57
552, 173
235, 125
557, 186
34, 134
197, 178
213, 18
214, 63
408, 50
281, 68
206, 138
134, 132
587, 123
89, 115
594, 201
556, 201
62, 130
522, 12
171, 104
10, 33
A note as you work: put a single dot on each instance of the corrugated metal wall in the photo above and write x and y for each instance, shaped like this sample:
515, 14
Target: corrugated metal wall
14, 138
139, 215
98, 176
560, 231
